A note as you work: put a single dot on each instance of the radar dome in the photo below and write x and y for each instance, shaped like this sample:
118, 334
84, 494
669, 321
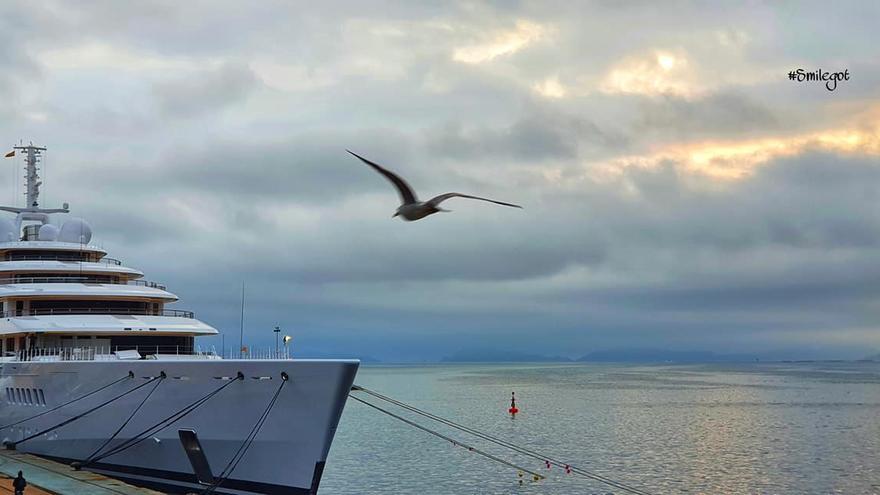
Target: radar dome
48, 232
7, 230
75, 230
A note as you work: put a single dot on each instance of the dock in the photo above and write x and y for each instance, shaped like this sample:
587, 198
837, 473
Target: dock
46, 477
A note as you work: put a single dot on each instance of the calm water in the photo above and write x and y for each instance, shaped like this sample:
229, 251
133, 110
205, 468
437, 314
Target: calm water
781, 428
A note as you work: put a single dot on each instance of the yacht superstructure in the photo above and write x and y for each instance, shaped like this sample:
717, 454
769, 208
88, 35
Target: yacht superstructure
85, 338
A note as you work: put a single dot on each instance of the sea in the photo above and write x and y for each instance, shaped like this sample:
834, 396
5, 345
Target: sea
775, 428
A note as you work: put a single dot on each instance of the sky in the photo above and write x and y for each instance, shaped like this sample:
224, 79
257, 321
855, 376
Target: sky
679, 191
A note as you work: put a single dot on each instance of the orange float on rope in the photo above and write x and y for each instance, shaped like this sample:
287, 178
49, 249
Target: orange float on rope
513, 409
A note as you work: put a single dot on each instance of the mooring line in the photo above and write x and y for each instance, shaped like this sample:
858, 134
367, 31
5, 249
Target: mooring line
93, 392
535, 476
509, 445
83, 414
162, 377
242, 450
161, 425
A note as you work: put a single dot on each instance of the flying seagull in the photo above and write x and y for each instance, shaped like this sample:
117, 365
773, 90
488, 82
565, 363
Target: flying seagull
411, 208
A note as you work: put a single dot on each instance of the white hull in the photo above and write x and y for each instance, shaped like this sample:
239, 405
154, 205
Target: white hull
287, 456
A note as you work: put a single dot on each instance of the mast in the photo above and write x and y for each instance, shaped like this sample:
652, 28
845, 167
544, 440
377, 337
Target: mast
32, 210
32, 180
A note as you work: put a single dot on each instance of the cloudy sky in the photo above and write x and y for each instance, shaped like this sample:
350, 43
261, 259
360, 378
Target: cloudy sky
679, 191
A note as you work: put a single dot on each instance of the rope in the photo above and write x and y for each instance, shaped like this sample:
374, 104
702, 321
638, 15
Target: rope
504, 443
161, 425
242, 450
84, 414
129, 375
455, 442
125, 423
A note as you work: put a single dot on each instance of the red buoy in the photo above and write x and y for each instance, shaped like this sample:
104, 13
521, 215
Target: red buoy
513, 410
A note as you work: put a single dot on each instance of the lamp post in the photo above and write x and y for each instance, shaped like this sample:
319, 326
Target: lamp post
277, 332
286, 340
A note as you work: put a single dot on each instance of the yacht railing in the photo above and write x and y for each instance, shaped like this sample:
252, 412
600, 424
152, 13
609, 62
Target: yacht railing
50, 257
123, 352
259, 354
79, 280
97, 311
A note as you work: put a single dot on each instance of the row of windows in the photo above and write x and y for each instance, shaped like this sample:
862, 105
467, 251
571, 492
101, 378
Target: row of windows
26, 396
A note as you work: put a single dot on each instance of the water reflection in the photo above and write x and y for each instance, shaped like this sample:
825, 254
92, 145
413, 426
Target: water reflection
788, 428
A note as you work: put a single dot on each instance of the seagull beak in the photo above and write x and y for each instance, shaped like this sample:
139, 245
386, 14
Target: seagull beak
395, 214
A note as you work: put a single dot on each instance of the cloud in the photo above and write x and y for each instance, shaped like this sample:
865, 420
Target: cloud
204, 91
97, 55
537, 135
500, 43
550, 88
737, 159
728, 113
658, 73
678, 190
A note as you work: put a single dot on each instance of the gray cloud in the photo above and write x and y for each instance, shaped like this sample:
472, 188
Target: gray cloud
204, 91
540, 134
730, 114
215, 172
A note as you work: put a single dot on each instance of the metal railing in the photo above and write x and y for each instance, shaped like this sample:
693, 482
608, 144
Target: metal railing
79, 280
56, 257
109, 353
104, 353
259, 354
97, 311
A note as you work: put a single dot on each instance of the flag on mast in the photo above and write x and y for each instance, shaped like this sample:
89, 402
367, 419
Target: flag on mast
10, 154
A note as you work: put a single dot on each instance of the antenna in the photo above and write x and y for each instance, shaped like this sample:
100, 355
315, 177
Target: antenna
32, 210
241, 324
33, 156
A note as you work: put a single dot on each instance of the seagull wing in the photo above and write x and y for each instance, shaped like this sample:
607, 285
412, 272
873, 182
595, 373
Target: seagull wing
407, 195
443, 197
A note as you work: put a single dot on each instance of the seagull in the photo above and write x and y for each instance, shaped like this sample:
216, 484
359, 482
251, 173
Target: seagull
411, 208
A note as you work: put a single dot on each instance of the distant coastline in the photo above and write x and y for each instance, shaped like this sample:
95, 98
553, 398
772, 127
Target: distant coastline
629, 356
603, 356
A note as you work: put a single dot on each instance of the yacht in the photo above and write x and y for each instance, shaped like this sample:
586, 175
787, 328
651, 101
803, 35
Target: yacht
99, 369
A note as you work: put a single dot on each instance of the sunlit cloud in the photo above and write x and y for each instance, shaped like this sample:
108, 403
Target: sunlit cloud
550, 88
501, 43
95, 55
733, 160
659, 73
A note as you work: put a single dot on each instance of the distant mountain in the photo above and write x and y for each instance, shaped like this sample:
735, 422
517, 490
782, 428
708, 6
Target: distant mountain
499, 356
662, 356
